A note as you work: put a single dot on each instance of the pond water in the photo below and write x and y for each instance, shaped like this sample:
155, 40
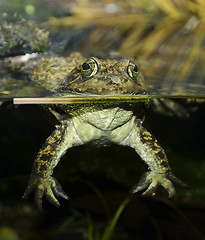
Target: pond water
168, 48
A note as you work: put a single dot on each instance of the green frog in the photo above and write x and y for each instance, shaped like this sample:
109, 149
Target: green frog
104, 122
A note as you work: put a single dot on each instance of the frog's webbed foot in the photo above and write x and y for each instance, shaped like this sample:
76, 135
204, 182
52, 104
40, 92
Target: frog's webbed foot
150, 181
45, 186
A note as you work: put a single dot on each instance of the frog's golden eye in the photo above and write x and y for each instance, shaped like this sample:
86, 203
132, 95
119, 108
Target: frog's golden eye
89, 68
132, 70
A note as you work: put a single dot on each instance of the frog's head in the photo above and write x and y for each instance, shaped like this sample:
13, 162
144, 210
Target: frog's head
105, 77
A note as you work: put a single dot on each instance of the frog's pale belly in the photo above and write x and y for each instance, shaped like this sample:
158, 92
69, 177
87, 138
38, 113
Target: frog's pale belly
104, 124
107, 119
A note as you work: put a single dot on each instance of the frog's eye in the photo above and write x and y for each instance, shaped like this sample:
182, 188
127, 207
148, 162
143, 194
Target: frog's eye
132, 70
89, 68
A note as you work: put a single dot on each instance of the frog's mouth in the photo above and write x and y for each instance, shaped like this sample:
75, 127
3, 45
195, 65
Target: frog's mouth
104, 86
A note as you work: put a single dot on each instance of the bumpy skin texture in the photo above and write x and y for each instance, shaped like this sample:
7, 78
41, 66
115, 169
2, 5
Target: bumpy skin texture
107, 122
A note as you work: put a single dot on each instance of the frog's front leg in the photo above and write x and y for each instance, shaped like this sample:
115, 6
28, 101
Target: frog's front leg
154, 156
62, 138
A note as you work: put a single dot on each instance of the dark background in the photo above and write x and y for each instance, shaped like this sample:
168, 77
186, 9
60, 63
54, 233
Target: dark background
86, 170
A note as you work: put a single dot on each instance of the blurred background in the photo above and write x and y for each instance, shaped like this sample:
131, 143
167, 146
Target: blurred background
166, 40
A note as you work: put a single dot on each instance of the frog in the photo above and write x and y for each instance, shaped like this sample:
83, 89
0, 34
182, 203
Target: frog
102, 123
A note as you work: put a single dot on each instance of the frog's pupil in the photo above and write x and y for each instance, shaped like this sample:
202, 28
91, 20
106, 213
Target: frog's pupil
85, 66
135, 68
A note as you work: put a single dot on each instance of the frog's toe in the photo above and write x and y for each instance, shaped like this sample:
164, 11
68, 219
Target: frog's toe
151, 180
38, 196
143, 183
177, 181
45, 186
51, 188
51, 197
56, 187
27, 192
152, 188
147, 183
167, 184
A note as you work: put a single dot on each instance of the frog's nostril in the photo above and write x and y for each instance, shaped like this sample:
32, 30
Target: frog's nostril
111, 79
116, 79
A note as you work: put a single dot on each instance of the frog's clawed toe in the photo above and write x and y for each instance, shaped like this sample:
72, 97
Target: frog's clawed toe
48, 187
150, 181
176, 181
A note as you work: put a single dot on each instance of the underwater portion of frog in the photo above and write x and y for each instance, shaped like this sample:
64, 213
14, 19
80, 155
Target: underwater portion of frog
96, 122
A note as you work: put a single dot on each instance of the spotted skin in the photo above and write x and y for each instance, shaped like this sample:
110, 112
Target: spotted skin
47, 154
154, 156
158, 152
101, 123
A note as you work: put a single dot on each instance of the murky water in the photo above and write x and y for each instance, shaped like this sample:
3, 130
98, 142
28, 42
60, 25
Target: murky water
170, 54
